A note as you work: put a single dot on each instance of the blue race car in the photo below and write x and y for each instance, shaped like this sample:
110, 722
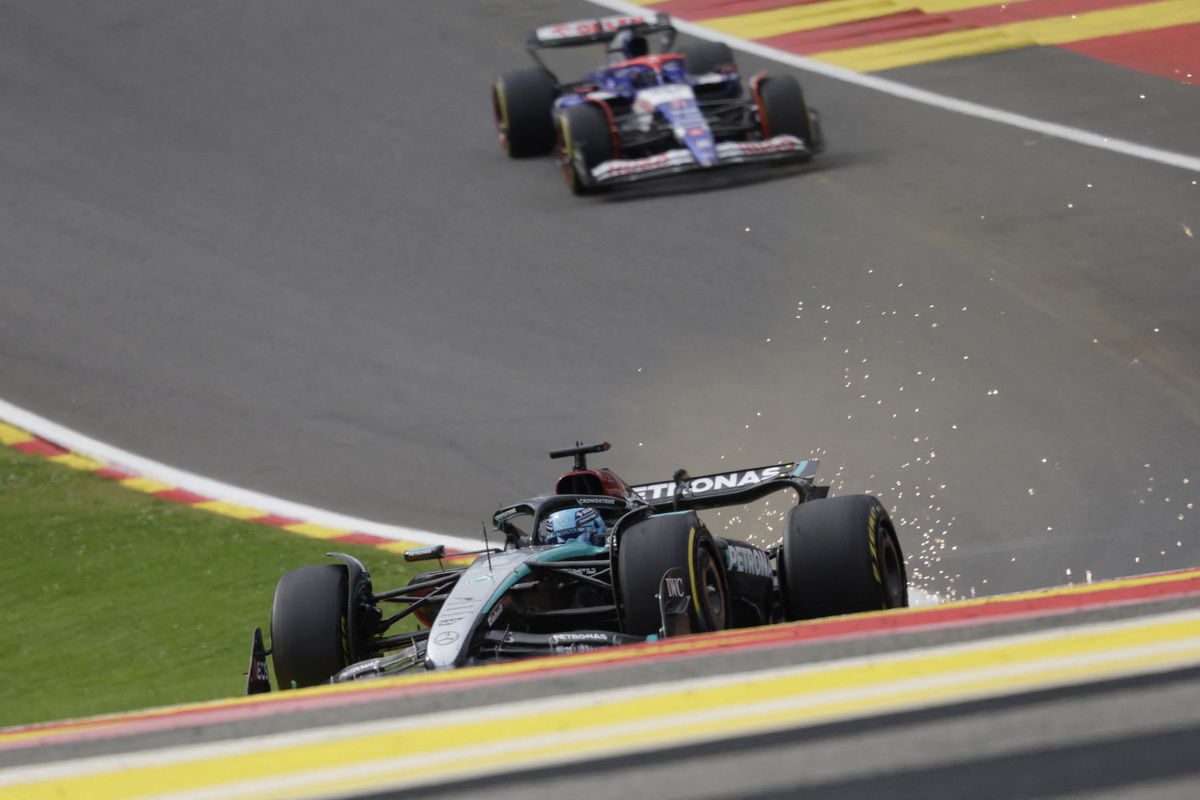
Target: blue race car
648, 114
597, 563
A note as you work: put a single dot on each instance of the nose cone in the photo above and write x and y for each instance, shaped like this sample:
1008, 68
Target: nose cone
678, 104
704, 148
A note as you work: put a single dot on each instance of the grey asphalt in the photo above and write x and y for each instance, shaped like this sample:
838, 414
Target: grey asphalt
275, 243
1133, 737
1062, 744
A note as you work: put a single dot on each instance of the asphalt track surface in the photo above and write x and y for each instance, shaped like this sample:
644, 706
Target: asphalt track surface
275, 243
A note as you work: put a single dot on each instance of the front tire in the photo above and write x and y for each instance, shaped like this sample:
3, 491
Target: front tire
840, 556
651, 547
782, 109
585, 140
309, 625
522, 103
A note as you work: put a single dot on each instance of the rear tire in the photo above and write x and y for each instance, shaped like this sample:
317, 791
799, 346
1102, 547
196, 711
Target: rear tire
840, 556
583, 135
651, 547
782, 109
309, 626
704, 57
522, 104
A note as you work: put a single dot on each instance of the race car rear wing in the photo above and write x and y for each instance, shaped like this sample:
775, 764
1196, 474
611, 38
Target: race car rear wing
684, 492
598, 29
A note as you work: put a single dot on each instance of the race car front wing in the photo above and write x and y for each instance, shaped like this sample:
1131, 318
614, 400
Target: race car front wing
672, 162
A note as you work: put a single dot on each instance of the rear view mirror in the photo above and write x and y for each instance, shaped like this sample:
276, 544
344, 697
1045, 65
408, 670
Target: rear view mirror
425, 553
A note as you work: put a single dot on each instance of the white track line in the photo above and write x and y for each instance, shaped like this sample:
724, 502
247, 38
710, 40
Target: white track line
965, 107
85, 445
1000, 670
121, 459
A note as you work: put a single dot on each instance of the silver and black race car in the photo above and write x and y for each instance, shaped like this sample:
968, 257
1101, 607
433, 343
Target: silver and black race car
651, 110
597, 563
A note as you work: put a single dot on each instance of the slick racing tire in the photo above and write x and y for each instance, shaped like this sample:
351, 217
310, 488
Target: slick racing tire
840, 556
704, 57
781, 109
585, 140
522, 103
308, 625
651, 547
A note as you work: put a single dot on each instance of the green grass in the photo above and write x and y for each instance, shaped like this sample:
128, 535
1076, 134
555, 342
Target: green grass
114, 600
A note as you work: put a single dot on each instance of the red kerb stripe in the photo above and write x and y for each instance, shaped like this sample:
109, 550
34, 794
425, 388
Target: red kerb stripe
1004, 607
40, 447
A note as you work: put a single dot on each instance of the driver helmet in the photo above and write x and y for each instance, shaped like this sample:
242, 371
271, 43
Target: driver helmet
628, 44
641, 76
573, 525
674, 71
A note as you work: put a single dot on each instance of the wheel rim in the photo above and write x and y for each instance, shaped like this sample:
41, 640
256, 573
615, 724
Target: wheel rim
710, 593
894, 589
500, 114
566, 151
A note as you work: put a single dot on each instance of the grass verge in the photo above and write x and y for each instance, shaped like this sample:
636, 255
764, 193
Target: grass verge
115, 600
